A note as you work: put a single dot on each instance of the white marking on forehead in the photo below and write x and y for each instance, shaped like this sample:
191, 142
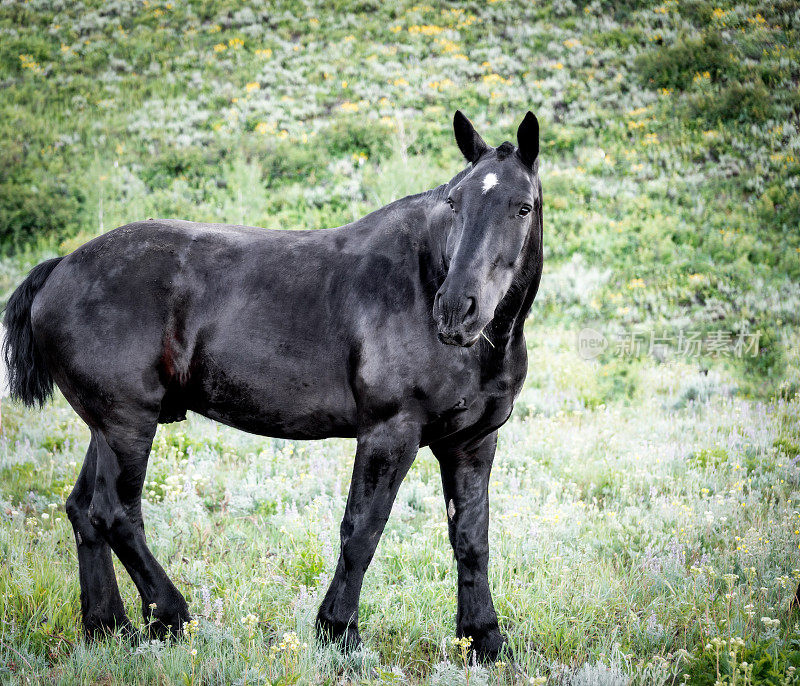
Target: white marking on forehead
489, 181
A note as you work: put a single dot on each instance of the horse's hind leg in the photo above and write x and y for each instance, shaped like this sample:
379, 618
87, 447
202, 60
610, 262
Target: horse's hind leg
116, 511
101, 604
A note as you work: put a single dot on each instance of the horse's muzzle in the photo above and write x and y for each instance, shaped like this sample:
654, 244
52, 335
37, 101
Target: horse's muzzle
456, 319
456, 338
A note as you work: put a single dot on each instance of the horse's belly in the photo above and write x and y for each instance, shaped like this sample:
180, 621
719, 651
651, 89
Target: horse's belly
291, 395
283, 424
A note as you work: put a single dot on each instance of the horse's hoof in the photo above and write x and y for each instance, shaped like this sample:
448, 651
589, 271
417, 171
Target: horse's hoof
167, 620
491, 645
344, 635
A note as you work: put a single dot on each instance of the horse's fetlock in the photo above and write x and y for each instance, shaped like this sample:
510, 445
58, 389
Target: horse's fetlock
333, 630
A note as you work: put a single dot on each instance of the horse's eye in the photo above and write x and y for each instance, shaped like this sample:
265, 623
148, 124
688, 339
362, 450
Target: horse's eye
450, 202
524, 210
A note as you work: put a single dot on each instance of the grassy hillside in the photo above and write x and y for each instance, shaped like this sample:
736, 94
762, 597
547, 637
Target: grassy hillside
645, 499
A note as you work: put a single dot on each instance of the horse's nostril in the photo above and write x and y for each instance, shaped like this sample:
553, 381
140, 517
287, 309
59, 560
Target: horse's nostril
470, 307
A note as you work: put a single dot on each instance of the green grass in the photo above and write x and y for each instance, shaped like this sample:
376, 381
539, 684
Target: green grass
626, 487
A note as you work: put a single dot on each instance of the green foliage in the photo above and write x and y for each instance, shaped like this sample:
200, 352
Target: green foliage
35, 201
790, 448
780, 206
188, 164
710, 457
675, 65
348, 137
745, 102
303, 562
22, 480
760, 664
618, 381
289, 161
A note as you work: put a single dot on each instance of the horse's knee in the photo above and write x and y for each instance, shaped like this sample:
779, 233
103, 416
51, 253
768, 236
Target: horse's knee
359, 540
78, 500
357, 556
107, 518
470, 550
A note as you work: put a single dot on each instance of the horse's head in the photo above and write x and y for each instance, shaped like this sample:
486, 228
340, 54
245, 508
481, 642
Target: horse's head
493, 213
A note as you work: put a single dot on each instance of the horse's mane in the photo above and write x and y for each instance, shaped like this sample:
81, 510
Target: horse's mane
441, 192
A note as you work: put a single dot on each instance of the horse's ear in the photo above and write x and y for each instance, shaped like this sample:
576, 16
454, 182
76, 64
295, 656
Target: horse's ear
528, 139
469, 142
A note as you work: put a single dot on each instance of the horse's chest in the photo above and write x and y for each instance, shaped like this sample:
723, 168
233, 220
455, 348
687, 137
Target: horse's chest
478, 406
487, 411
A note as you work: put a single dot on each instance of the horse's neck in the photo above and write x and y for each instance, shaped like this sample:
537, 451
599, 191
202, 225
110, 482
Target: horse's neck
513, 309
436, 244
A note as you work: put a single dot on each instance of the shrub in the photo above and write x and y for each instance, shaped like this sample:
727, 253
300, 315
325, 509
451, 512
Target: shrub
735, 102
35, 200
347, 136
192, 163
674, 66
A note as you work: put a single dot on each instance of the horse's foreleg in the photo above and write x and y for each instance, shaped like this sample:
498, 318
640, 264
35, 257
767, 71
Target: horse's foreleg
384, 454
101, 604
116, 511
465, 478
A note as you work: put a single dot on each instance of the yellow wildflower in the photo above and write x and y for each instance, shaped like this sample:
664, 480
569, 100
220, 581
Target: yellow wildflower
425, 29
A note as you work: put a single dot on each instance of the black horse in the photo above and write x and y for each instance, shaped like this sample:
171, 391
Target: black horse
402, 329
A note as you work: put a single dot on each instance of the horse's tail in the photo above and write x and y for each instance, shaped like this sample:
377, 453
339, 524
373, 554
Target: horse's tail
29, 379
